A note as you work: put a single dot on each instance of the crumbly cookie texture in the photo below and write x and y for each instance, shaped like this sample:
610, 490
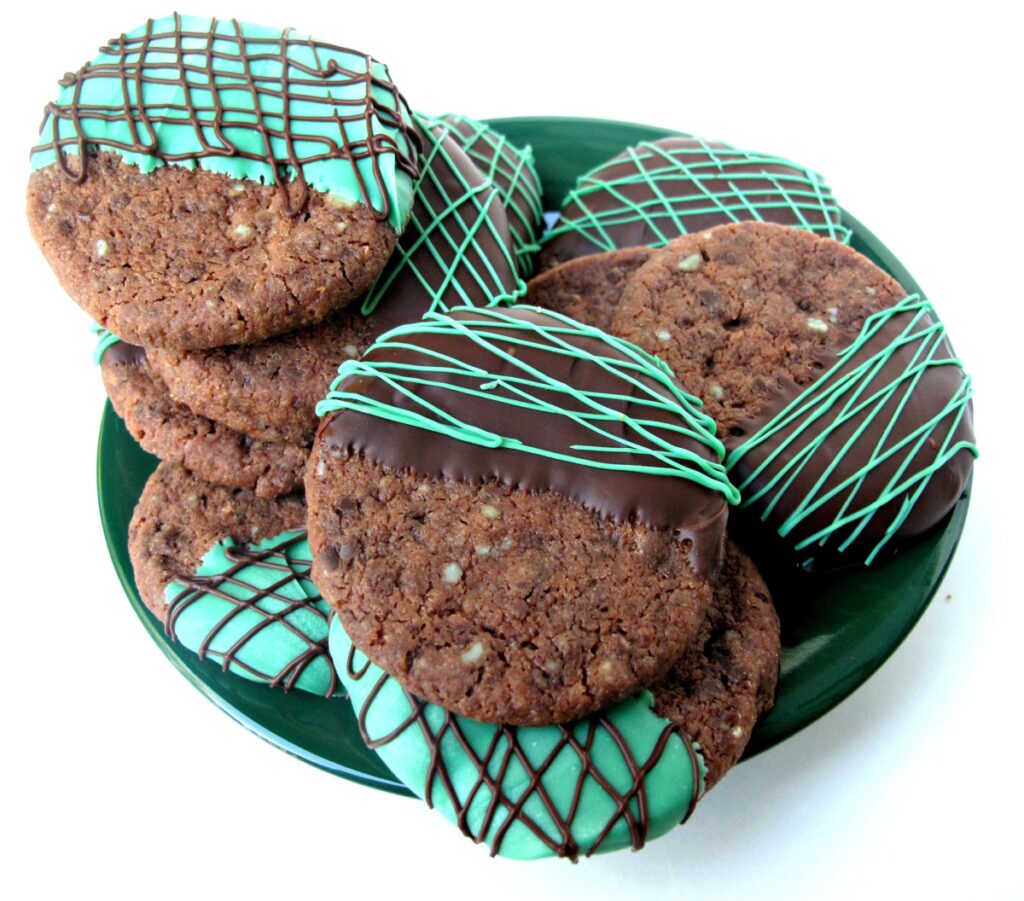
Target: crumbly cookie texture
502, 605
588, 289
266, 390
739, 310
179, 517
726, 679
203, 182
192, 259
172, 432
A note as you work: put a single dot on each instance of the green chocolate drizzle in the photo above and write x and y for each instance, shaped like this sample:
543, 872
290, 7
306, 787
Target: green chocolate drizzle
610, 781
866, 407
104, 340
529, 391
254, 610
456, 250
242, 100
515, 176
678, 185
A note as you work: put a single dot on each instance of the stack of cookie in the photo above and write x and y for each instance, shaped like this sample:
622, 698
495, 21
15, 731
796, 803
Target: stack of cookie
504, 518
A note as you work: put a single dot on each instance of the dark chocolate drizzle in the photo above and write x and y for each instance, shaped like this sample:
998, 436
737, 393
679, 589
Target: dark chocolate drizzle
565, 845
132, 68
693, 512
274, 559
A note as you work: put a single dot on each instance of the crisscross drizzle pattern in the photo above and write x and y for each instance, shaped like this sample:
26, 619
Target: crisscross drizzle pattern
610, 781
892, 412
456, 249
240, 99
637, 420
253, 610
514, 175
658, 190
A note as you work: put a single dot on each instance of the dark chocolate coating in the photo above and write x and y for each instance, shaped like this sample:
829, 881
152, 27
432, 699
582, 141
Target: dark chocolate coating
690, 510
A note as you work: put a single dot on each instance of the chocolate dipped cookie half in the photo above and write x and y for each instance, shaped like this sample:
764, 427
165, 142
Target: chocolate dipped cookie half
517, 516
846, 413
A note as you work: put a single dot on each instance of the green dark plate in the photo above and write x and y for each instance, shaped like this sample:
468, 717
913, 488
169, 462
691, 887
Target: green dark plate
836, 631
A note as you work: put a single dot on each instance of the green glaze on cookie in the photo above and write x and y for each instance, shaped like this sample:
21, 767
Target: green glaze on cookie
661, 419
658, 190
242, 100
614, 780
859, 451
514, 174
253, 610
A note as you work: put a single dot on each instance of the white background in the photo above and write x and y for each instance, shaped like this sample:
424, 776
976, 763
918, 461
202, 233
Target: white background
120, 779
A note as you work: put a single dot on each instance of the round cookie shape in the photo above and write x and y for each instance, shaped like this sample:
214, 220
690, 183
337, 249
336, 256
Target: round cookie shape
202, 182
845, 411
658, 190
457, 250
174, 433
228, 575
516, 515
515, 176
613, 780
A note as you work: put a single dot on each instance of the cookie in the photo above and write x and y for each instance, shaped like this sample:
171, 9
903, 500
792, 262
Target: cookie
172, 432
845, 411
726, 679
659, 190
517, 516
238, 198
457, 250
515, 176
613, 780
227, 573
588, 289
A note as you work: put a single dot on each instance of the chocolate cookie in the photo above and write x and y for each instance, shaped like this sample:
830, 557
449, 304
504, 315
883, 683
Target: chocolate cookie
659, 190
726, 679
202, 183
172, 432
588, 289
846, 413
516, 515
615, 779
227, 573
457, 250
513, 172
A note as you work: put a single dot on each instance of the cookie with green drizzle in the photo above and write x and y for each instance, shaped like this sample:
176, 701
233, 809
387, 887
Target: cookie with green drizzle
516, 515
513, 172
227, 573
457, 250
845, 411
204, 182
616, 779
658, 190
